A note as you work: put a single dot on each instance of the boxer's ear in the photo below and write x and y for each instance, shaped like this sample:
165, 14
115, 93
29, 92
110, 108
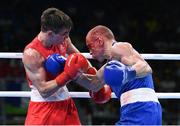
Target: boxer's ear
50, 33
100, 41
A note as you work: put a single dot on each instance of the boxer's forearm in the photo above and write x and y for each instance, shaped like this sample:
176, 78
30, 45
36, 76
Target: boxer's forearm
90, 82
46, 89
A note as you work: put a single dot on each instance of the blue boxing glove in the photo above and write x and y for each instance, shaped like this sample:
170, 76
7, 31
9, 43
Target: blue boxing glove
116, 73
54, 64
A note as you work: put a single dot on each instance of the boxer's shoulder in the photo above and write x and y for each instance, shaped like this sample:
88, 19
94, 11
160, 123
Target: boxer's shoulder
122, 45
32, 58
121, 49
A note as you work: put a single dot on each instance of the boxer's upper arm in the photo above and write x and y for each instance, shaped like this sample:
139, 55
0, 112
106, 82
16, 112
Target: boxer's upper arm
33, 64
129, 56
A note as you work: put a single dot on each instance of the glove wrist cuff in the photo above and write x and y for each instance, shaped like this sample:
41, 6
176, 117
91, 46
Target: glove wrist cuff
62, 79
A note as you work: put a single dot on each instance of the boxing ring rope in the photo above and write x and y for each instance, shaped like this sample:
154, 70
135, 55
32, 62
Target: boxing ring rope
18, 55
82, 94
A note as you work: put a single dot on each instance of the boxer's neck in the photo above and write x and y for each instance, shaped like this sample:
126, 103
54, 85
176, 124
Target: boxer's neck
108, 49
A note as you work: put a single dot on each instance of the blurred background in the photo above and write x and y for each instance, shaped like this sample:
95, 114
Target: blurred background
151, 26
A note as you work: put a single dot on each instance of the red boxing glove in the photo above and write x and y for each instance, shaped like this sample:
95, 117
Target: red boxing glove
75, 62
104, 94
92, 70
62, 79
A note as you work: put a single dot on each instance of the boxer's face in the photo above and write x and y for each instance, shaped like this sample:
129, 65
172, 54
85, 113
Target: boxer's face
59, 38
96, 48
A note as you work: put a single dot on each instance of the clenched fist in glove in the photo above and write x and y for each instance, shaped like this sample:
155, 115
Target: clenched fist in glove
54, 64
75, 63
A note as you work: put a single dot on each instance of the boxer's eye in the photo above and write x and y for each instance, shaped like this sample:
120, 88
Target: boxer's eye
90, 46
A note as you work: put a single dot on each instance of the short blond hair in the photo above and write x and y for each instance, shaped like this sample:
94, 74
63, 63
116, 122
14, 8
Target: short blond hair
101, 30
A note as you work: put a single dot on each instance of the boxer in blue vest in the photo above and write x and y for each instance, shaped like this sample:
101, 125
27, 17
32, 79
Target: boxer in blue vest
128, 75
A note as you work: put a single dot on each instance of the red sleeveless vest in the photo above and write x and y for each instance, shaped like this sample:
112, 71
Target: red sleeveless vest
45, 52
